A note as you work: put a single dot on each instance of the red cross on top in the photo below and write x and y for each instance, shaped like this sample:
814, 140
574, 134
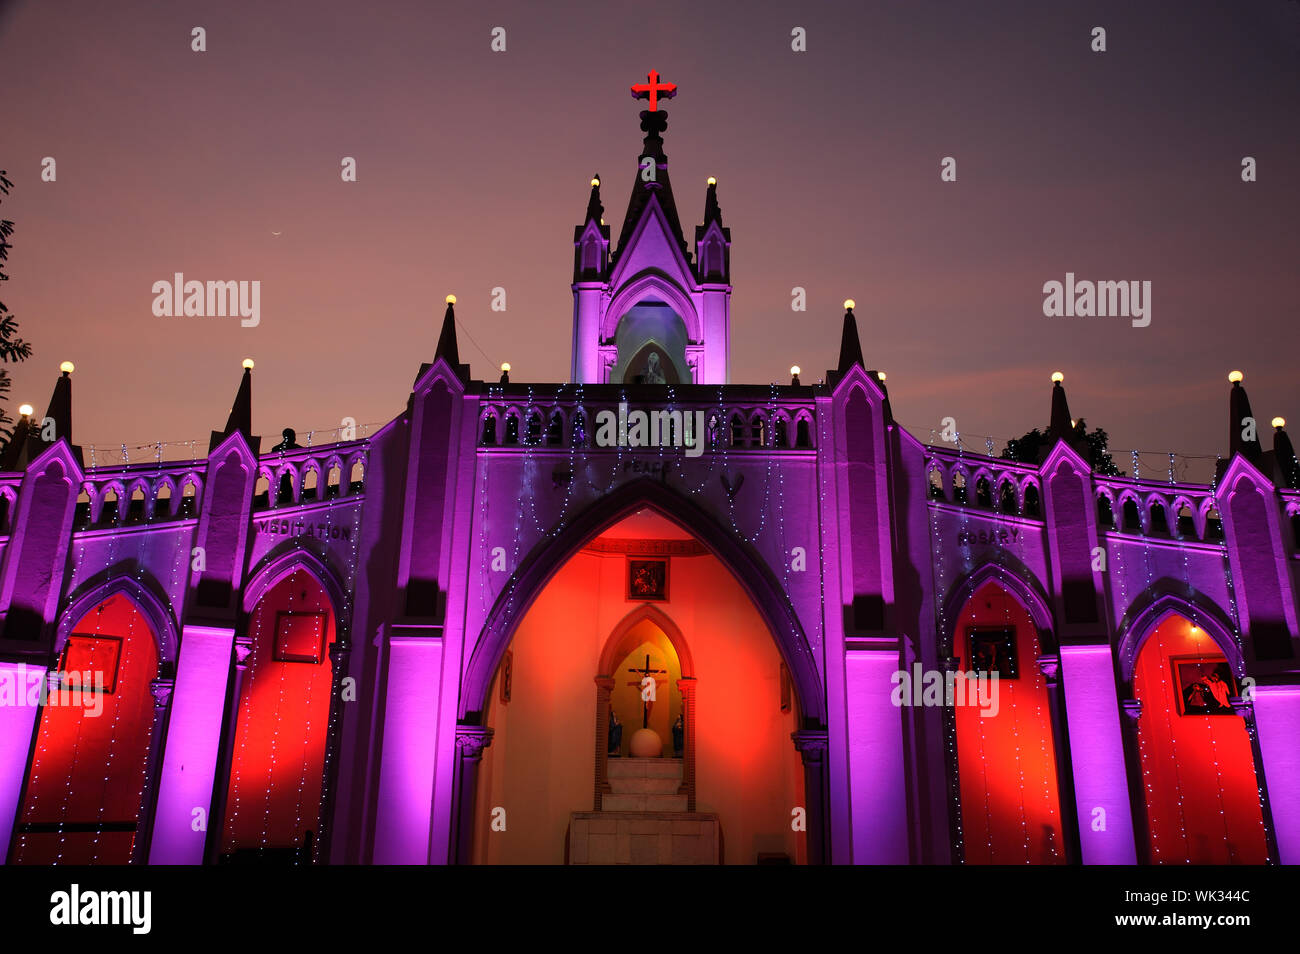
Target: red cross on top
653, 89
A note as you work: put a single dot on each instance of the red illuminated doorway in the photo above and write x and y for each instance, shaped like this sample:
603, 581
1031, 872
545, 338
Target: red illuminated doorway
275, 787
1007, 764
1199, 791
83, 799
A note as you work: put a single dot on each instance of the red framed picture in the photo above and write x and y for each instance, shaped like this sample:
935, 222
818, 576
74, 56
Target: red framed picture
91, 653
1204, 685
299, 637
647, 579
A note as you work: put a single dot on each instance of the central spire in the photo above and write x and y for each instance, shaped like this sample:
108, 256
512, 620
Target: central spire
652, 167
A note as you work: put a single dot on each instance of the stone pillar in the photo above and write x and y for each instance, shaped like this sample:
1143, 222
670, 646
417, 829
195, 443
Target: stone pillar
471, 740
225, 759
686, 685
340, 652
604, 686
161, 690
192, 746
1274, 728
812, 745
1050, 667
1097, 755
17, 731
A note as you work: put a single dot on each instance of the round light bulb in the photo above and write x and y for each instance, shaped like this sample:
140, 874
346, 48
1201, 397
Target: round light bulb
1235, 376
25, 410
451, 299
849, 304
1057, 377
505, 366
712, 181
1279, 422
248, 363
595, 181
794, 370
880, 375
67, 367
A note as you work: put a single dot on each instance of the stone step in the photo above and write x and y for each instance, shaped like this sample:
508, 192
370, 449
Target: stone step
666, 785
644, 768
643, 803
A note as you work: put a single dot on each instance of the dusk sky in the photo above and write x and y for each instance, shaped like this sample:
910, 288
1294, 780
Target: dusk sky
473, 169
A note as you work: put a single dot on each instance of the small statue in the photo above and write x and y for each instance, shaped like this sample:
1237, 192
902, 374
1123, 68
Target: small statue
653, 374
615, 734
679, 736
290, 441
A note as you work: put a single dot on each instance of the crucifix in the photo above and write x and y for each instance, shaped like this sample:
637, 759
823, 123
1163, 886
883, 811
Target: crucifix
653, 90
647, 688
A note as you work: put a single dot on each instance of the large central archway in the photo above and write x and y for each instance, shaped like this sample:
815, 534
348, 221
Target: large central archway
754, 593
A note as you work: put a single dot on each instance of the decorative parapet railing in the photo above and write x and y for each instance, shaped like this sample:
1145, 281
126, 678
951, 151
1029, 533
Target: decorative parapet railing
738, 418
136, 494
988, 483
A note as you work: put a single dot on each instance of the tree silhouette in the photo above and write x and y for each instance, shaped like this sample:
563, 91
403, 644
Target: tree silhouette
12, 347
1027, 448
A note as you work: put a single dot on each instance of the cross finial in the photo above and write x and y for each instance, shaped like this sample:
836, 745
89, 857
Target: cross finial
653, 90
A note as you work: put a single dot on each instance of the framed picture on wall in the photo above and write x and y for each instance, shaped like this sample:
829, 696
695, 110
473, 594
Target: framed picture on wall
993, 649
1204, 685
647, 579
507, 675
90, 661
299, 637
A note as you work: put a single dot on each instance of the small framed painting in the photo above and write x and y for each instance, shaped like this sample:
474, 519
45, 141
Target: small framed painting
91, 662
507, 675
1204, 684
299, 637
647, 579
993, 649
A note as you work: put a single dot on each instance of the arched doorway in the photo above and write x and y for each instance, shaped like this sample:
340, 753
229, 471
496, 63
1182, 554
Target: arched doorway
1198, 779
1006, 748
273, 798
544, 709
83, 801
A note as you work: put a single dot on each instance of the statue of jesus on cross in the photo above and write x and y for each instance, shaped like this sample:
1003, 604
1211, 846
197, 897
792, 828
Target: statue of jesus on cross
649, 679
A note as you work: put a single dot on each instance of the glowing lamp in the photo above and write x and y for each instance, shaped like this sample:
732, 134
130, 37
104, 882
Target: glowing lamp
712, 181
1235, 377
880, 375
1279, 422
25, 410
248, 364
67, 367
595, 181
794, 370
849, 304
505, 366
451, 299
1057, 377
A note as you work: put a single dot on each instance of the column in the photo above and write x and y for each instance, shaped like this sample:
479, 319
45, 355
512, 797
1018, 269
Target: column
191, 748
1277, 725
18, 715
225, 759
813, 745
686, 685
604, 686
1050, 667
340, 653
161, 690
471, 740
1101, 789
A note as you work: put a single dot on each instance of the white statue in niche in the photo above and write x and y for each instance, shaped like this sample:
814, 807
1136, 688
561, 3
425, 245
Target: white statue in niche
653, 373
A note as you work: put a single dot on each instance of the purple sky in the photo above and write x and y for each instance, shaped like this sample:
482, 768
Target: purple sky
473, 170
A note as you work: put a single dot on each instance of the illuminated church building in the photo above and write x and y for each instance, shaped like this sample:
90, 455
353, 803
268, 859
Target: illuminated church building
566, 623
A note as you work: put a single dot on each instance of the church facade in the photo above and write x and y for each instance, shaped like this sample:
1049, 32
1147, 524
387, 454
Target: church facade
646, 615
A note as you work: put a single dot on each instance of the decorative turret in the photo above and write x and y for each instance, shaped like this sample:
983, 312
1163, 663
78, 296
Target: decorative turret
240, 420
447, 338
31, 437
850, 346
1243, 433
1286, 468
652, 181
712, 240
591, 240
1061, 427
